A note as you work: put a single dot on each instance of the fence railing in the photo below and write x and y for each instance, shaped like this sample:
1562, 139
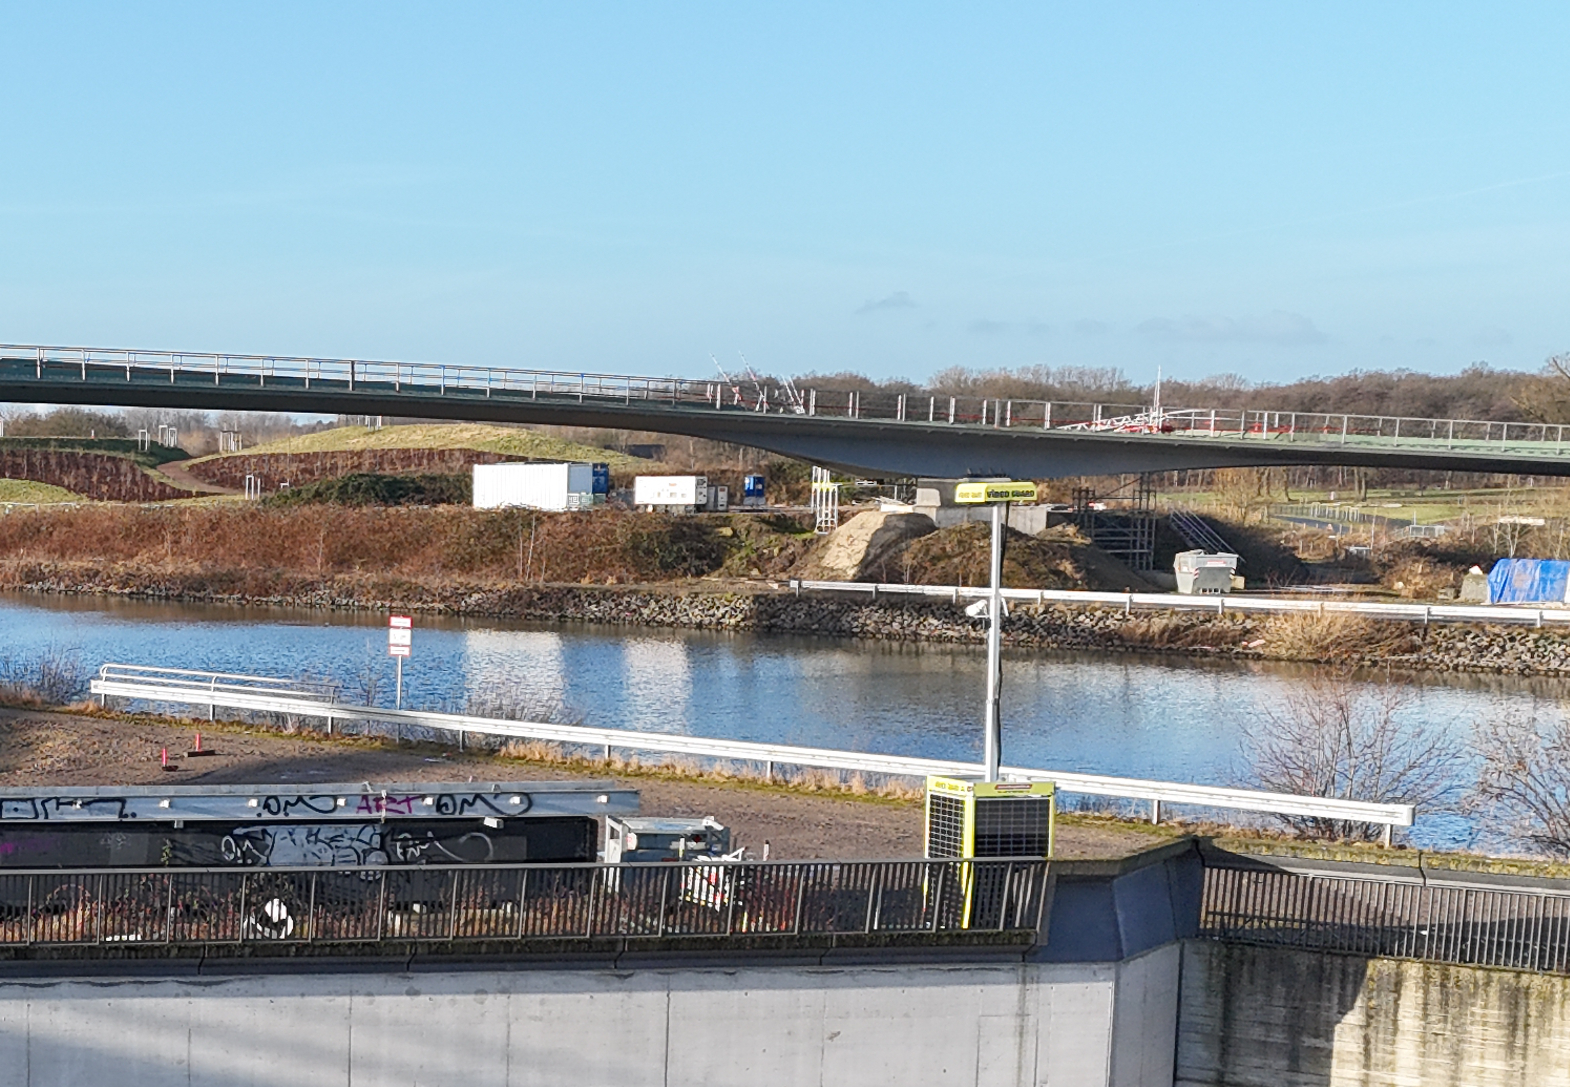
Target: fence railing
1336, 514
520, 903
144, 683
769, 396
1520, 614
1405, 913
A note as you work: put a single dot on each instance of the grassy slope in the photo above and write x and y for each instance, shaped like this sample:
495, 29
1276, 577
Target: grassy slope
26, 490
494, 439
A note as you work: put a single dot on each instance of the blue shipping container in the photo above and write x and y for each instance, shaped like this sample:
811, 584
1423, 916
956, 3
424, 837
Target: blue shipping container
752, 487
1528, 581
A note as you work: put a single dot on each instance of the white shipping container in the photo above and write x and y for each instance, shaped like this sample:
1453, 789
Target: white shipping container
670, 491
534, 486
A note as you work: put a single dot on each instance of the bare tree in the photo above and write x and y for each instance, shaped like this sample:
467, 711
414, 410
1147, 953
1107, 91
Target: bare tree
1525, 777
1335, 737
1545, 398
367, 675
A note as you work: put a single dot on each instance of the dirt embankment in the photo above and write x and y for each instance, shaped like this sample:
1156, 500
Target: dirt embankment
298, 469
259, 549
101, 476
674, 572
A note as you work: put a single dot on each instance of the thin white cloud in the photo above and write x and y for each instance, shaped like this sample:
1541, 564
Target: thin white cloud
897, 300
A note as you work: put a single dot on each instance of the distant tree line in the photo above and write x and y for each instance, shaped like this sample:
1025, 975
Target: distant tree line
1477, 392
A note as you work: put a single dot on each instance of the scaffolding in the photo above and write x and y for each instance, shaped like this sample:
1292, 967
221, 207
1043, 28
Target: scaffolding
825, 502
1122, 522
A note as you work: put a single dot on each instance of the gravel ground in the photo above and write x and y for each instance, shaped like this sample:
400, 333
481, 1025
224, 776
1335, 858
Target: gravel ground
45, 749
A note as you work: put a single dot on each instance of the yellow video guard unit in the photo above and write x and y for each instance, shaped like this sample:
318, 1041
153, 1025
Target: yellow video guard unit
968, 818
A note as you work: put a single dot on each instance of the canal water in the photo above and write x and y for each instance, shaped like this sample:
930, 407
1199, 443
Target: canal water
1153, 717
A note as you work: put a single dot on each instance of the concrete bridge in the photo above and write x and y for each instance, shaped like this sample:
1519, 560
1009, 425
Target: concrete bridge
869, 432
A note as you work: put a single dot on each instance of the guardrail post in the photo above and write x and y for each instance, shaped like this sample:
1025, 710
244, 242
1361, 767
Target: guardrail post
801, 893
873, 886
1155, 810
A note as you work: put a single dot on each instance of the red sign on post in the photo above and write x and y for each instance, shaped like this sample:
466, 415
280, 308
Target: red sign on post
400, 635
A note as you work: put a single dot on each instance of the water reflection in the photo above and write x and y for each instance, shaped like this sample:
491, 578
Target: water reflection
1110, 713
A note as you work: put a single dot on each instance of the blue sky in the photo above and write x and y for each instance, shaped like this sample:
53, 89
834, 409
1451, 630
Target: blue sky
1268, 189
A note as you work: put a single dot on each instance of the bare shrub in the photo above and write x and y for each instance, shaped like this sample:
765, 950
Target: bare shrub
365, 681
1525, 777
516, 702
51, 677
1333, 737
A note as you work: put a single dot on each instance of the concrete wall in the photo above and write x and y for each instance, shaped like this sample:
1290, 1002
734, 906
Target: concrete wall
1275, 1017
757, 1026
1027, 519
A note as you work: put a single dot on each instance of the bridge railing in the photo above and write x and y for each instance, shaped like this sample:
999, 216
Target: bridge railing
519, 903
765, 396
1388, 910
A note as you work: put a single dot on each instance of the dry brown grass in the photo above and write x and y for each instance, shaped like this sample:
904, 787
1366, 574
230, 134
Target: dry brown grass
1174, 630
321, 541
1333, 637
794, 779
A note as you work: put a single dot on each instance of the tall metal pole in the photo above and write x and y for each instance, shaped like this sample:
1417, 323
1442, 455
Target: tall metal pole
993, 751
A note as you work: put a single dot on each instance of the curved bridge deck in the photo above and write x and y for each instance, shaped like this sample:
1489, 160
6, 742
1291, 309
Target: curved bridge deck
869, 431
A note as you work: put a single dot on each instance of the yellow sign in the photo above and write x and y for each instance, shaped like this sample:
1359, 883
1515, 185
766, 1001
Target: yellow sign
1007, 491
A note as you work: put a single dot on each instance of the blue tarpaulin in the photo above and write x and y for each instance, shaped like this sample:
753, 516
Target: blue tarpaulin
1528, 581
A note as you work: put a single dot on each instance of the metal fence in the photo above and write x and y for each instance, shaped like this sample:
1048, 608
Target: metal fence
765, 395
519, 903
1438, 917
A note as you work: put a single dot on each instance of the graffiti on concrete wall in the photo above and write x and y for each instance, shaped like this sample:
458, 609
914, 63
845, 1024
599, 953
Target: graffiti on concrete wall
351, 844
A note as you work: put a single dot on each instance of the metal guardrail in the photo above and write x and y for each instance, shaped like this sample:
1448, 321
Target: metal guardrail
143, 683
189, 368
519, 903
1437, 916
1219, 604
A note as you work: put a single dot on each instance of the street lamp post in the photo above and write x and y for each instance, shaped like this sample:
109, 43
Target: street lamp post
993, 740
998, 495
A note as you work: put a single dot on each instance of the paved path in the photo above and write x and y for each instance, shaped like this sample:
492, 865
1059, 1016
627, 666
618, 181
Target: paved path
180, 476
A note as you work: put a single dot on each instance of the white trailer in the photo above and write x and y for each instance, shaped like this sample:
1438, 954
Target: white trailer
671, 493
534, 486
